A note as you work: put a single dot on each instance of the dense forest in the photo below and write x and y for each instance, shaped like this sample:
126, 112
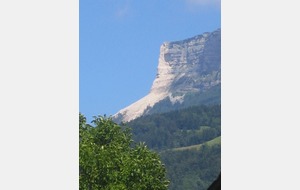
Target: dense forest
188, 142
192, 169
180, 128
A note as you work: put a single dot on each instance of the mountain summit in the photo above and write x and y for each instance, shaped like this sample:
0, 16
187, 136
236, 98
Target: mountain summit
187, 69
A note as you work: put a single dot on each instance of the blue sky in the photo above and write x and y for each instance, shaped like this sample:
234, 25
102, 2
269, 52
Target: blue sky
119, 43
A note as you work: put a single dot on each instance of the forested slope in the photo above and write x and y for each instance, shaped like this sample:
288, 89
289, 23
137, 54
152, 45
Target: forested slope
188, 142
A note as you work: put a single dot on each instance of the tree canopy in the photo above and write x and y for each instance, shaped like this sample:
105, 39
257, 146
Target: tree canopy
187, 142
110, 160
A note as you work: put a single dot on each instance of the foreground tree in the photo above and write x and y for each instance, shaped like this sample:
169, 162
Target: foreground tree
109, 160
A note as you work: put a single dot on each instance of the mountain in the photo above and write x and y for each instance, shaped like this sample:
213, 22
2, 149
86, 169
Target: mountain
188, 73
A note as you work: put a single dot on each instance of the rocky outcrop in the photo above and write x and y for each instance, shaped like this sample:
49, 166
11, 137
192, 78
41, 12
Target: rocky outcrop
187, 66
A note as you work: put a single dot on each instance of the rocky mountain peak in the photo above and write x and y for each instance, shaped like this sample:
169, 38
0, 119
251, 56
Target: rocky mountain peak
187, 66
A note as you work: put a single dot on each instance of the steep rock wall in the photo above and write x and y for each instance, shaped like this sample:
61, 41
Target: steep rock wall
187, 66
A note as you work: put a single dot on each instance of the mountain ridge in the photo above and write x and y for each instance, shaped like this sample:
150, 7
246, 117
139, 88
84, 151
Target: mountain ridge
184, 67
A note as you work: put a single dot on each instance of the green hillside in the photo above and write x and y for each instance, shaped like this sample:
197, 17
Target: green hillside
210, 143
192, 169
188, 142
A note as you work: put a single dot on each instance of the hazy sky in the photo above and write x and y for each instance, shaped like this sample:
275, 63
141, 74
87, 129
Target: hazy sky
119, 46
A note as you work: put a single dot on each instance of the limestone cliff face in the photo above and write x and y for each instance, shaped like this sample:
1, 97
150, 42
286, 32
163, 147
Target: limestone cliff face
187, 66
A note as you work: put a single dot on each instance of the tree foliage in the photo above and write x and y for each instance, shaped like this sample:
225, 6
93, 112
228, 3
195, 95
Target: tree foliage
188, 168
189, 126
193, 169
109, 160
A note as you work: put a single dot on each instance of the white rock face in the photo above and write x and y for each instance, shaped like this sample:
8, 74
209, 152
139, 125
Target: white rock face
191, 65
158, 91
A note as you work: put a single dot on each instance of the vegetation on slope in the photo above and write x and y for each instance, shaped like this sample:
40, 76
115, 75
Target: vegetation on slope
188, 141
186, 127
187, 145
210, 143
211, 96
192, 169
